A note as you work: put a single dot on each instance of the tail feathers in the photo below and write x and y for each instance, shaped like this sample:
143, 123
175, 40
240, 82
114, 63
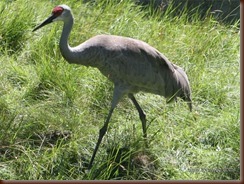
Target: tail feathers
183, 86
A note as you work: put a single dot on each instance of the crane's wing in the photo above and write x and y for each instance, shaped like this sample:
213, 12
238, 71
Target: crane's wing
139, 66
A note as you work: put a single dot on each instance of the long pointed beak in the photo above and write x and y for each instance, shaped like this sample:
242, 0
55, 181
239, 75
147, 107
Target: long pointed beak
45, 22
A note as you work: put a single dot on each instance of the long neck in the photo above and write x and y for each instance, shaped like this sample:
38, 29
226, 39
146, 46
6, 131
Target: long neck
67, 51
77, 55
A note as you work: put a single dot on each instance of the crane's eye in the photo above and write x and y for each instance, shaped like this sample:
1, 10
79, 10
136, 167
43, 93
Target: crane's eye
57, 11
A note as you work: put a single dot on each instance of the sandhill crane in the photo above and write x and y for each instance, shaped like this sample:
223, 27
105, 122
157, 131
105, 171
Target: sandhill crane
132, 65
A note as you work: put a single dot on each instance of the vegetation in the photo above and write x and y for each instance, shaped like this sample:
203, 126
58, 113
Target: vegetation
51, 111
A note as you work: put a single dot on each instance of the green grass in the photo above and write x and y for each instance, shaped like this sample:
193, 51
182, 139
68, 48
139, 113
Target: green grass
51, 111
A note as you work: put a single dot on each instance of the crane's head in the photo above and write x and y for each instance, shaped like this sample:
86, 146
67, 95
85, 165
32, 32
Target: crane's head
59, 13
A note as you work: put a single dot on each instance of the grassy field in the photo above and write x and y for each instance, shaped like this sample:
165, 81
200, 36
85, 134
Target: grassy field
51, 111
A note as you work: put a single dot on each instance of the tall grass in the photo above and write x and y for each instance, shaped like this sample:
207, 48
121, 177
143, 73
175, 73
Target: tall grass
51, 111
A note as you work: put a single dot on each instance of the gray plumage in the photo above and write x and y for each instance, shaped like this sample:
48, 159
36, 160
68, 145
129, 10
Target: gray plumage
132, 65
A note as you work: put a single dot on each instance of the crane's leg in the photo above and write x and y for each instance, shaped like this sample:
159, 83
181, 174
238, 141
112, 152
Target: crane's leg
116, 97
190, 105
142, 117
102, 132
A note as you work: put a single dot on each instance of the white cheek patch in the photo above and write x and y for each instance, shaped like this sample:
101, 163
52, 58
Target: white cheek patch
59, 18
